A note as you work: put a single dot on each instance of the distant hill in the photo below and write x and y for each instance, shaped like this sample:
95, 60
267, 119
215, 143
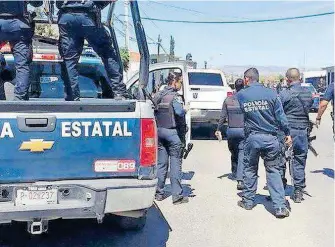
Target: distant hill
263, 70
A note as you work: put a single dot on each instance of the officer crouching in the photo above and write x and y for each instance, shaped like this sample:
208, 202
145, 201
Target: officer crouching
169, 144
232, 112
297, 101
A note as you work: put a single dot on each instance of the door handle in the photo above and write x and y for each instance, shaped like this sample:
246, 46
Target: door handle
36, 123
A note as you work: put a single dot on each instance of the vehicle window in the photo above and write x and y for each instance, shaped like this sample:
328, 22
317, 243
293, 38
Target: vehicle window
311, 89
47, 81
205, 79
156, 82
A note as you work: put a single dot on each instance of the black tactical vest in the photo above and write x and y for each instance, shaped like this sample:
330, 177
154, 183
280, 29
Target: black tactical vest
165, 114
234, 112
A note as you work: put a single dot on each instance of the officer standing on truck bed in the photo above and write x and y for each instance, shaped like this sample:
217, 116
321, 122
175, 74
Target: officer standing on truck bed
263, 117
17, 28
297, 101
169, 144
232, 112
77, 21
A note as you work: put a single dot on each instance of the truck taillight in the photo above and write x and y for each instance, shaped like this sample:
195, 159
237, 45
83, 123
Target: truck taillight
46, 56
5, 47
148, 156
229, 94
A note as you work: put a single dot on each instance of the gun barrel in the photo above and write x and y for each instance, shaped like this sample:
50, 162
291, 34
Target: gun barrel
310, 147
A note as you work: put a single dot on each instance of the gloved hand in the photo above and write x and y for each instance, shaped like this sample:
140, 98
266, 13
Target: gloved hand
218, 135
317, 122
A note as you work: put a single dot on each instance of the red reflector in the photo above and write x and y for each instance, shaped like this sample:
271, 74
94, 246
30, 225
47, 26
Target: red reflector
46, 56
5, 47
148, 142
229, 94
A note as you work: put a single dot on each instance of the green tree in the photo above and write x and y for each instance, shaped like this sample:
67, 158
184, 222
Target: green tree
125, 58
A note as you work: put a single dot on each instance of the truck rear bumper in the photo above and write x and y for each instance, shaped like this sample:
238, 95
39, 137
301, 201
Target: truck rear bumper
78, 199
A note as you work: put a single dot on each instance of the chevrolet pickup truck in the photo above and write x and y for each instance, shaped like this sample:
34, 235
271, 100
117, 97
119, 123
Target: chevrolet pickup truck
95, 158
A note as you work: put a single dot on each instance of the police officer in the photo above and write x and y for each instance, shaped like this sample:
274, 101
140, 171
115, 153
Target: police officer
327, 97
169, 144
232, 112
16, 27
263, 117
77, 21
297, 101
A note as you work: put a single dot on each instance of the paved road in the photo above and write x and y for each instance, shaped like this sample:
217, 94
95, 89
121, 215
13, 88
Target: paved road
212, 217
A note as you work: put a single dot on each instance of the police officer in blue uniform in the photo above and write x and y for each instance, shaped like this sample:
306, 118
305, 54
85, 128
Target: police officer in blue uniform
17, 28
263, 117
77, 21
327, 97
297, 101
232, 112
169, 105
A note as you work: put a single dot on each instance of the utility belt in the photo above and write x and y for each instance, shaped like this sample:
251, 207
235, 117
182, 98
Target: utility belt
95, 13
261, 133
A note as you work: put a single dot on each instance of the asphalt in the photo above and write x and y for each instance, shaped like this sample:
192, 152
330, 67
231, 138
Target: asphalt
212, 217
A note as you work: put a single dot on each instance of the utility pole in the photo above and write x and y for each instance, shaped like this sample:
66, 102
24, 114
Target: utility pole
126, 26
158, 47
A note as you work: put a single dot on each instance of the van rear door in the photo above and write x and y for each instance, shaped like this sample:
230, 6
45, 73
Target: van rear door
207, 89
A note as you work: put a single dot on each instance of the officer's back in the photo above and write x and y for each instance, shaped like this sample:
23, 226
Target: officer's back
261, 106
169, 144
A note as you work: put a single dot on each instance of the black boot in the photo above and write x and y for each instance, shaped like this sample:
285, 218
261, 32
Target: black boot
242, 204
297, 196
181, 200
240, 185
281, 213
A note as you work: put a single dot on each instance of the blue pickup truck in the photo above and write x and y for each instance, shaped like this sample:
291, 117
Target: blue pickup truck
95, 158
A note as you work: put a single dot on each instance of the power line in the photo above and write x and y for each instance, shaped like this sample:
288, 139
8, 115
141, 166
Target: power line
240, 22
195, 12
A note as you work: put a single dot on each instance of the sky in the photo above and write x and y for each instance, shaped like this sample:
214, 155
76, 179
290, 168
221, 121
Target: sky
304, 43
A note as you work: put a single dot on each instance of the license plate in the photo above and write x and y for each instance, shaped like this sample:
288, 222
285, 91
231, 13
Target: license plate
36, 196
48, 79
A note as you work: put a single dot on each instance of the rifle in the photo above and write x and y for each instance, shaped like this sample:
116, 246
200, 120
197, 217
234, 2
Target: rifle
182, 129
311, 138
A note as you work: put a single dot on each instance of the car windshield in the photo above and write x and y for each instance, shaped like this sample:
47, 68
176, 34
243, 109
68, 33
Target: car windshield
205, 79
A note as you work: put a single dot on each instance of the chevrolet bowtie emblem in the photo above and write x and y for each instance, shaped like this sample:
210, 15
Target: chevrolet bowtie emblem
37, 145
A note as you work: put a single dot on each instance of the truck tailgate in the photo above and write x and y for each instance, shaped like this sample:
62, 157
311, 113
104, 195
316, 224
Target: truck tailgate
68, 140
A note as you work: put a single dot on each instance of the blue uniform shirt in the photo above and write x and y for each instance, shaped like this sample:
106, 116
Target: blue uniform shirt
297, 101
263, 111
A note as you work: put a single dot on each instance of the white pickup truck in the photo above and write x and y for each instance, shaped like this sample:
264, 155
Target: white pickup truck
203, 89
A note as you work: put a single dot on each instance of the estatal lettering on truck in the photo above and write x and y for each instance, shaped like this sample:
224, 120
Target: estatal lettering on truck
82, 129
